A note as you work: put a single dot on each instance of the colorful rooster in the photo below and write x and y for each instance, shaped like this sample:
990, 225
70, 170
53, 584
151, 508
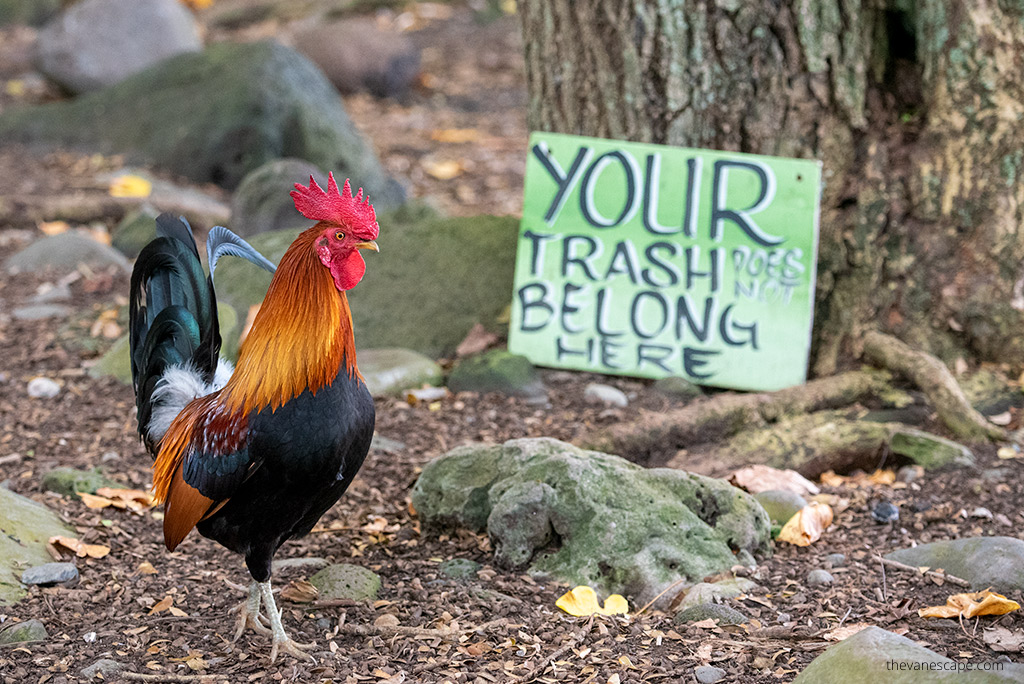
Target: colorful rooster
253, 456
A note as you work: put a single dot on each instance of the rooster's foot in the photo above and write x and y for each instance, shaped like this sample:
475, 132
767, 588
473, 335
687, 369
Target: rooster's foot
249, 614
282, 643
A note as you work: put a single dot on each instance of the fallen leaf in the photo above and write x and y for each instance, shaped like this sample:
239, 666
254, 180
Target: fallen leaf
807, 526
164, 603
130, 186
146, 568
1002, 419
1007, 452
443, 170
455, 135
845, 631
1001, 639
476, 340
582, 601
879, 477
93, 501
136, 500
78, 547
762, 478
196, 663
300, 591
53, 227
424, 394
984, 602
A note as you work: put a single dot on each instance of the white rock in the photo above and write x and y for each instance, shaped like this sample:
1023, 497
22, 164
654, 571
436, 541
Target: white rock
596, 393
43, 388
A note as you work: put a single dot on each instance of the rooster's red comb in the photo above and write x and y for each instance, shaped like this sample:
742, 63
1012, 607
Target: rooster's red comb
335, 207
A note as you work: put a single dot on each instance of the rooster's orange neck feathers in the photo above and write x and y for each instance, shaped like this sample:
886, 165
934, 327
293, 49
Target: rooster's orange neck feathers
300, 337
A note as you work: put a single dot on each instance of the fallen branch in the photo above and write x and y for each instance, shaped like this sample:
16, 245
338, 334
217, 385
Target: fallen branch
171, 678
356, 629
654, 438
937, 383
938, 574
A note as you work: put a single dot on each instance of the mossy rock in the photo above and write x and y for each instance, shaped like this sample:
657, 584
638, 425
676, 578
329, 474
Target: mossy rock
721, 614
431, 282
213, 116
497, 371
389, 372
584, 517
25, 529
136, 230
23, 632
344, 581
33, 12
69, 481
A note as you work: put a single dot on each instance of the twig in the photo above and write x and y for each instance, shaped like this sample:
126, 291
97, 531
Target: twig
332, 603
355, 629
885, 584
171, 678
576, 640
663, 592
943, 575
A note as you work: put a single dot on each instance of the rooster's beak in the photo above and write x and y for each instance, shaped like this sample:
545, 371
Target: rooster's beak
369, 244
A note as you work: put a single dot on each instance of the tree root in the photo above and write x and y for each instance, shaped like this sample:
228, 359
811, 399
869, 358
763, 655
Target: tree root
937, 383
654, 438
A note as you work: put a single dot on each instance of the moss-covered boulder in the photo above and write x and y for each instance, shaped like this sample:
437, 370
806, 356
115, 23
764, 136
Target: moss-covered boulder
720, 613
213, 116
344, 581
432, 281
70, 481
262, 203
876, 655
585, 517
497, 371
23, 632
34, 12
996, 562
25, 528
135, 231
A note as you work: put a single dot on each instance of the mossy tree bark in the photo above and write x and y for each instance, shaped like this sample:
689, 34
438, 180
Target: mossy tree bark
916, 109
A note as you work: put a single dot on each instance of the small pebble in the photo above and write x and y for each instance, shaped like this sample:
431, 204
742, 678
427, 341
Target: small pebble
981, 512
835, 560
596, 393
708, 674
43, 388
89, 637
51, 573
885, 512
783, 618
109, 456
106, 667
909, 473
819, 578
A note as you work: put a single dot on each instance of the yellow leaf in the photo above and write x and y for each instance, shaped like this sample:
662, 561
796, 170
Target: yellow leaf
133, 499
1008, 452
15, 87
455, 135
53, 227
970, 605
78, 547
130, 186
582, 601
807, 526
93, 501
146, 568
443, 170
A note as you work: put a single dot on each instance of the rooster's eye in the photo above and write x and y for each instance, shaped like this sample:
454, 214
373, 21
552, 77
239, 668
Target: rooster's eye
339, 235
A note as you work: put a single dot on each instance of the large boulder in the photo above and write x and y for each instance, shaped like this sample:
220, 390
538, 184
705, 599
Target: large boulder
262, 202
585, 517
97, 43
63, 253
996, 562
33, 12
432, 281
876, 655
25, 528
214, 116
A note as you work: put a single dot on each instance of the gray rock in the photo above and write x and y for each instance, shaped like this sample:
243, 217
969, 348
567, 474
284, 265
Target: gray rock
417, 256
343, 581
996, 562
357, 56
51, 573
780, 504
497, 370
43, 388
458, 568
876, 655
221, 113
23, 632
885, 512
715, 592
63, 253
597, 393
383, 443
621, 528
97, 43
136, 230
720, 613
262, 203
389, 372
819, 578
27, 527
105, 667
34, 12
69, 481
677, 387
292, 563
38, 312
835, 560
52, 293
708, 674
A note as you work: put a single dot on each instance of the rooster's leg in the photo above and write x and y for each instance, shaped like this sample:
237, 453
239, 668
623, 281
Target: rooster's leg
282, 642
249, 614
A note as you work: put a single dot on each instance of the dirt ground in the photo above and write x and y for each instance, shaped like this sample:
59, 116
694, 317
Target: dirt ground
512, 630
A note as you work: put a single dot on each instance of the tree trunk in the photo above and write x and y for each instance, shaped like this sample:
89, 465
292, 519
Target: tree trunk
916, 110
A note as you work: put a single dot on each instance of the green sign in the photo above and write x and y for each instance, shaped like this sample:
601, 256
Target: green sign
653, 261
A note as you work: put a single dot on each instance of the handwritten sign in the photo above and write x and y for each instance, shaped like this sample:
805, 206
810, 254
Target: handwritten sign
653, 261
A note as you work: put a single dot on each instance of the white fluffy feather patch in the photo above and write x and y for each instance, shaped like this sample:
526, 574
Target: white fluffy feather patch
177, 387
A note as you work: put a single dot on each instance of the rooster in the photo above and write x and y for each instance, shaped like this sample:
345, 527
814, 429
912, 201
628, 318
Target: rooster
252, 456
